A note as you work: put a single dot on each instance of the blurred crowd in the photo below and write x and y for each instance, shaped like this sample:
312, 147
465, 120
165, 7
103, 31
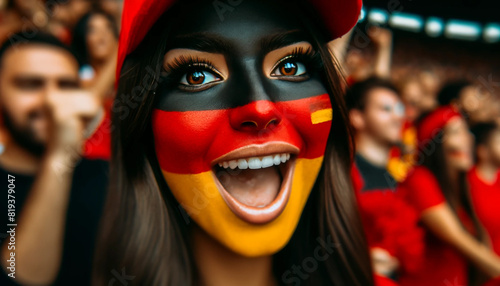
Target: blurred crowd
57, 62
425, 114
426, 118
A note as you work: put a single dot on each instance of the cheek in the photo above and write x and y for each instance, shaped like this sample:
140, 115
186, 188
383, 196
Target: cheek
377, 120
187, 142
496, 151
92, 42
311, 118
458, 150
452, 141
20, 104
182, 139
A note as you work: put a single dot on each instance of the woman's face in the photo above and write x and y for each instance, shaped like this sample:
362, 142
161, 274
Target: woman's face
457, 144
101, 41
241, 122
416, 100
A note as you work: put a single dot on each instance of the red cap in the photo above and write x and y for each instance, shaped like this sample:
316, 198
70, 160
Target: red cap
435, 122
140, 15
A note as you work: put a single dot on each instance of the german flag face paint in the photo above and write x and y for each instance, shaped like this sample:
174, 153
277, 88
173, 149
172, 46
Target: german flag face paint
246, 188
240, 128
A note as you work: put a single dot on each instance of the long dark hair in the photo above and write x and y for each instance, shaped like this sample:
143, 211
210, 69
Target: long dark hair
79, 41
455, 190
143, 230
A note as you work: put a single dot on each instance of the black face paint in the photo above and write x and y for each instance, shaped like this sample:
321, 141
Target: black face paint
265, 109
244, 41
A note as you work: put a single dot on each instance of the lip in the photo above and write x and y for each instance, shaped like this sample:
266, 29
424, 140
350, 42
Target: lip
257, 150
270, 212
460, 154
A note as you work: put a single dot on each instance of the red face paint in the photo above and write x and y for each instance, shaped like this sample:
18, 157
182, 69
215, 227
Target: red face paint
241, 123
188, 142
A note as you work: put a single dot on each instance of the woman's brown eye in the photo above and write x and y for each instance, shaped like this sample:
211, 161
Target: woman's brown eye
196, 77
199, 77
288, 68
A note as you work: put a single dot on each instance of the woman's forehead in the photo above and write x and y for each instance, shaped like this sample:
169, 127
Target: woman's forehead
248, 24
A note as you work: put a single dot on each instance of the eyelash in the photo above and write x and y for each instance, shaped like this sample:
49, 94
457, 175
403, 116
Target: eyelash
310, 58
180, 66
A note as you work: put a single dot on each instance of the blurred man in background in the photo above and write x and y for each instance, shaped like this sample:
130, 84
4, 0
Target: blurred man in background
416, 98
377, 115
57, 197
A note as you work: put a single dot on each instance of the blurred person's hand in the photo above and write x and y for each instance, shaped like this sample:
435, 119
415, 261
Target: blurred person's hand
381, 37
383, 262
71, 113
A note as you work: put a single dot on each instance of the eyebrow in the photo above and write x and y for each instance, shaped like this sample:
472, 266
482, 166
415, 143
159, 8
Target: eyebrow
23, 78
211, 43
281, 39
202, 41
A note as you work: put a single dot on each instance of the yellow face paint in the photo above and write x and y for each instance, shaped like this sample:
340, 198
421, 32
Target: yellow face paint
321, 116
199, 196
259, 210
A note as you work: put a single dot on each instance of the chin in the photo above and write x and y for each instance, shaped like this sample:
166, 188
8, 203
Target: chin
463, 165
40, 138
393, 140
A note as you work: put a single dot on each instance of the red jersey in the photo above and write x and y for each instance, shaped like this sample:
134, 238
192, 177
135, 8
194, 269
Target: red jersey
383, 281
485, 199
442, 265
389, 223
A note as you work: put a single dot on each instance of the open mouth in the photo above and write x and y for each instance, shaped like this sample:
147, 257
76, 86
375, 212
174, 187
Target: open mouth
256, 188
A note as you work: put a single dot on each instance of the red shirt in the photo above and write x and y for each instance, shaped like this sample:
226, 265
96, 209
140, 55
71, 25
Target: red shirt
98, 146
485, 199
492, 282
383, 281
389, 223
442, 264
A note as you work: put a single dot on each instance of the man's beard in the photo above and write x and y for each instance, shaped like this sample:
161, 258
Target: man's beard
23, 136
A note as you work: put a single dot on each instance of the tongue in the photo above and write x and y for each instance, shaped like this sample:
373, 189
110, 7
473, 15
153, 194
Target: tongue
255, 188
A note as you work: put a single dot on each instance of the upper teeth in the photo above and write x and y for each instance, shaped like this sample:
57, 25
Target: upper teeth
256, 162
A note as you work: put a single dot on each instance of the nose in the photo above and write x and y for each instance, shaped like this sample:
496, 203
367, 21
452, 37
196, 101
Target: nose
255, 116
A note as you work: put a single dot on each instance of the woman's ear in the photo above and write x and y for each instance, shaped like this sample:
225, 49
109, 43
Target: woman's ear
357, 119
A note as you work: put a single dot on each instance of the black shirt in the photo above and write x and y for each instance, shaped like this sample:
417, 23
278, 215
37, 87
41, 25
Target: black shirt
88, 191
375, 178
